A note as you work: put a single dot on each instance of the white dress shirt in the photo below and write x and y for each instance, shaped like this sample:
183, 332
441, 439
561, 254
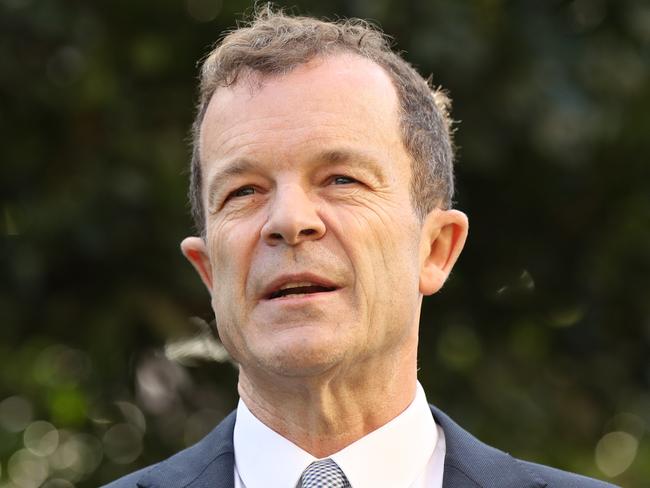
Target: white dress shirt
407, 452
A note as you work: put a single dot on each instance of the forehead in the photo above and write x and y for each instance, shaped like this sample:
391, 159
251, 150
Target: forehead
338, 99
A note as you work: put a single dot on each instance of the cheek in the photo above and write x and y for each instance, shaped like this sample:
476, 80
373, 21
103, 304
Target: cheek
230, 251
227, 241
384, 237
231, 246
382, 244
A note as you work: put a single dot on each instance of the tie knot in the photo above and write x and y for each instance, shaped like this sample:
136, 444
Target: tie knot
324, 474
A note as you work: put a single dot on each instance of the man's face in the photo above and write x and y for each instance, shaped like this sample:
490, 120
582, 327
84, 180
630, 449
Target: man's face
312, 241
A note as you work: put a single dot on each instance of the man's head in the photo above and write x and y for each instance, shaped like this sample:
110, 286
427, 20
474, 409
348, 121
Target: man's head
274, 44
314, 253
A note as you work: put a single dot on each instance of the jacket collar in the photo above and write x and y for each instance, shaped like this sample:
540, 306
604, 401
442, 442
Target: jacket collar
468, 462
208, 464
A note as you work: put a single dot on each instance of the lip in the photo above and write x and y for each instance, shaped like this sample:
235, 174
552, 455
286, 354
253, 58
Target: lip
296, 277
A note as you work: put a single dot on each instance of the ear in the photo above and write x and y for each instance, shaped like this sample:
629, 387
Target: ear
194, 250
442, 239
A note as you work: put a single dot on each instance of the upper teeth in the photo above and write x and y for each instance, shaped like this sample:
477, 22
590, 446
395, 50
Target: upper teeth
296, 284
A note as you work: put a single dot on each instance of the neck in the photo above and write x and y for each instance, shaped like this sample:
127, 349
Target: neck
324, 414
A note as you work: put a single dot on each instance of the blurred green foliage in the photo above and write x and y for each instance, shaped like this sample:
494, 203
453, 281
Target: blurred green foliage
540, 342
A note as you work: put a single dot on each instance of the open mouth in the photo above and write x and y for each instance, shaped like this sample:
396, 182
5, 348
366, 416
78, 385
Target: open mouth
299, 289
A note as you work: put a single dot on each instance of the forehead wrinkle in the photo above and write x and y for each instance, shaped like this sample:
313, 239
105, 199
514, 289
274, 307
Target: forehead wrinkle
247, 136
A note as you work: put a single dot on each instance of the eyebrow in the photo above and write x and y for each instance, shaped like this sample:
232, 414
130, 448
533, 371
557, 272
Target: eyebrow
241, 166
363, 159
234, 168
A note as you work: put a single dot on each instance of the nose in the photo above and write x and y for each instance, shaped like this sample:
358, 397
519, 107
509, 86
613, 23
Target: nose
293, 218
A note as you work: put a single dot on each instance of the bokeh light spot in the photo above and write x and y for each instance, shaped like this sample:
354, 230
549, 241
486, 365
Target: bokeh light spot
27, 470
15, 413
123, 443
66, 454
57, 483
567, 316
59, 365
90, 453
203, 10
77, 456
459, 348
615, 452
133, 415
69, 407
41, 438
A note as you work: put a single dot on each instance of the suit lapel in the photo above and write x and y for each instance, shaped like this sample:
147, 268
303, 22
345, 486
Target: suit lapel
471, 464
208, 464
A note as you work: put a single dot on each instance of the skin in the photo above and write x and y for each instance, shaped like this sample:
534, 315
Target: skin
306, 172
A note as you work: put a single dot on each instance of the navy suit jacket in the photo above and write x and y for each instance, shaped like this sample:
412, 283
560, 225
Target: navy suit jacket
468, 464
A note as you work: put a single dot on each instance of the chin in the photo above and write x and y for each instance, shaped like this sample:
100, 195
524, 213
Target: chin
301, 359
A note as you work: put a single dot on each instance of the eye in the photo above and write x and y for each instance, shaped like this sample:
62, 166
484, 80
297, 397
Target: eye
342, 180
244, 191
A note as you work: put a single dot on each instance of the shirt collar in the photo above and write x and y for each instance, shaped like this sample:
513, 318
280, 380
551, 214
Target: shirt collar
398, 451
262, 456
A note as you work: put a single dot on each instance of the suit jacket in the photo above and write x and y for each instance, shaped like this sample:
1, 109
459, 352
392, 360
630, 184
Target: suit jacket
468, 464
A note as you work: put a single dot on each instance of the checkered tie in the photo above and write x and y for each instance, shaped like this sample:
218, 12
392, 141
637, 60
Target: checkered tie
324, 474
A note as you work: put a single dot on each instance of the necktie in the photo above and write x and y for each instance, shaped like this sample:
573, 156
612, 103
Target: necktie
324, 474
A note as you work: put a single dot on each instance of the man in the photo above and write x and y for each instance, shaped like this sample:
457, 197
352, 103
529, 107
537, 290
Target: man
321, 185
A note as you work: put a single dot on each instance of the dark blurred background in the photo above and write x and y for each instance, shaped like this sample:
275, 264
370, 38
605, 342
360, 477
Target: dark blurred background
540, 342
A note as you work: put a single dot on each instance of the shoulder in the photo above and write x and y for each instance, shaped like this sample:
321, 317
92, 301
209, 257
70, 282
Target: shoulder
558, 478
130, 480
470, 462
